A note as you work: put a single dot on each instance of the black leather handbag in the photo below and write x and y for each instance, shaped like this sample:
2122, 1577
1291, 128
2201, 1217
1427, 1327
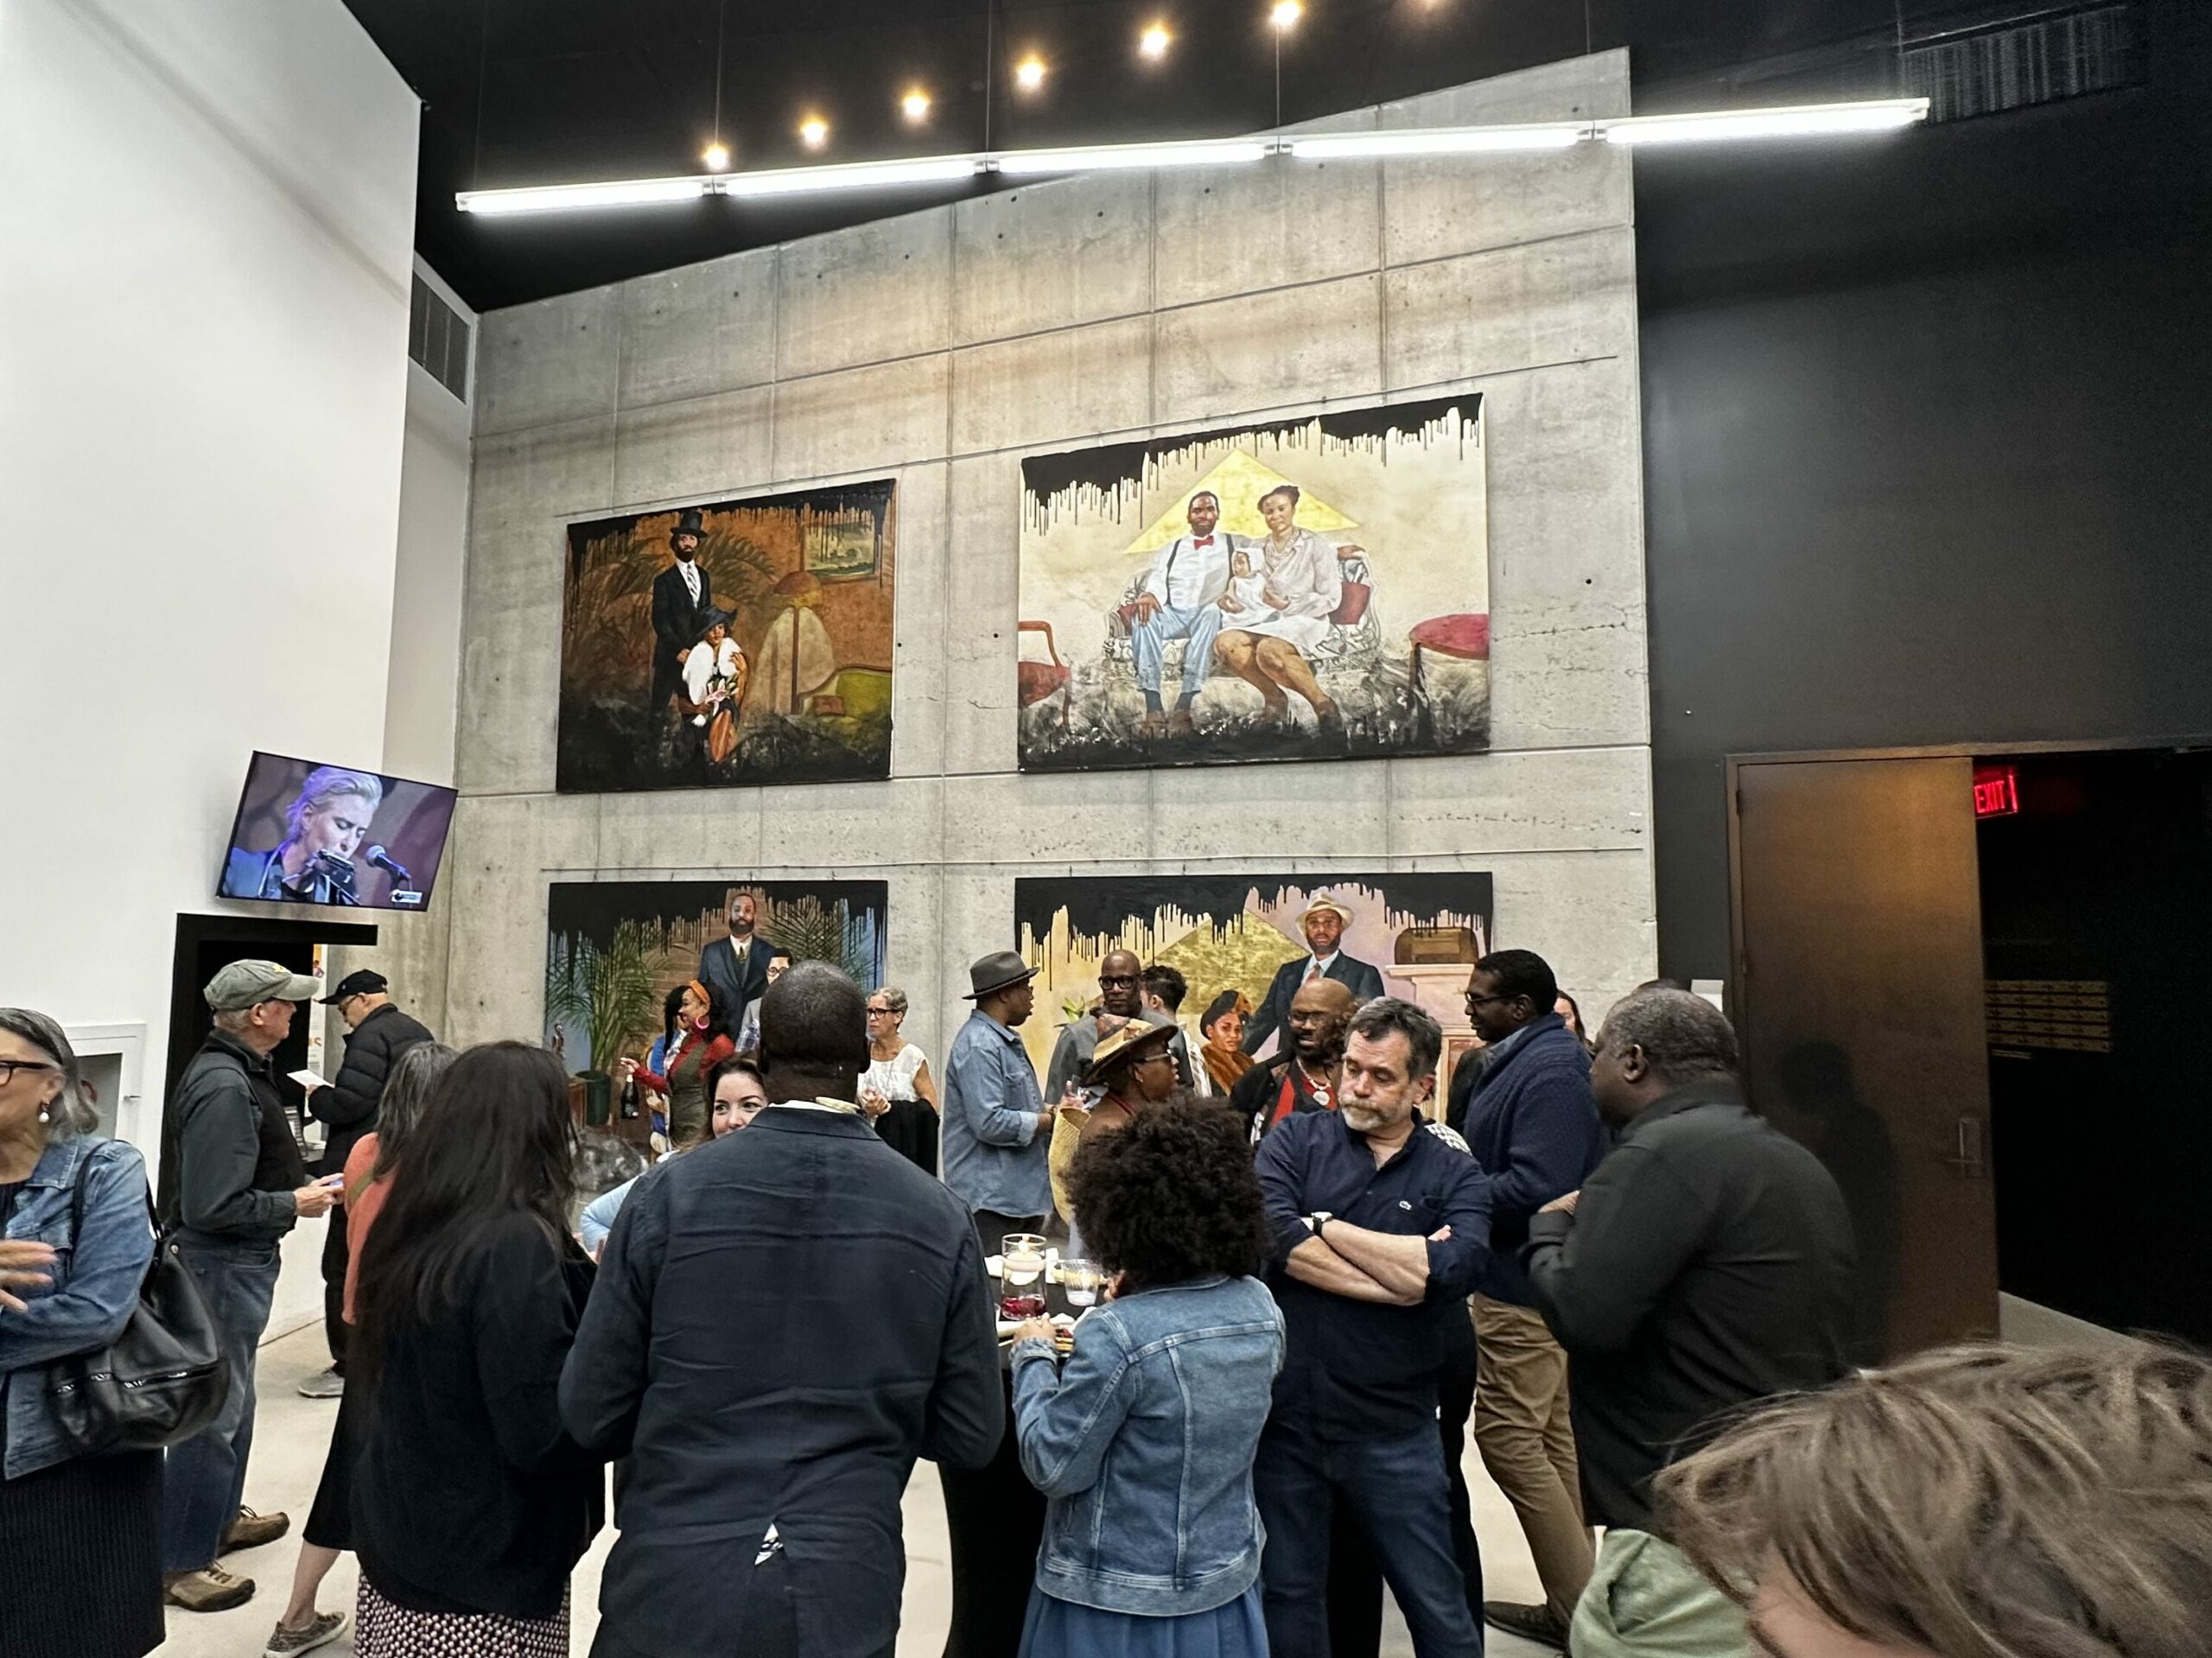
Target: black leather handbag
159, 1382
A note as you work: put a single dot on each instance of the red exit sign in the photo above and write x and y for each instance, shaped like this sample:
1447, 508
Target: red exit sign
1996, 790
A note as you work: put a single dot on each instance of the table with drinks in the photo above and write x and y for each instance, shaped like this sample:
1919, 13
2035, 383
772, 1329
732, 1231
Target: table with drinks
995, 1516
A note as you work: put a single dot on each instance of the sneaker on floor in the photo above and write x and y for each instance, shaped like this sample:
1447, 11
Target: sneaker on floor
210, 1588
1530, 1622
320, 1631
324, 1384
252, 1530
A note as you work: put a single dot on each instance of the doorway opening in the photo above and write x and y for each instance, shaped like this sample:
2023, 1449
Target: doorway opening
1962, 980
204, 944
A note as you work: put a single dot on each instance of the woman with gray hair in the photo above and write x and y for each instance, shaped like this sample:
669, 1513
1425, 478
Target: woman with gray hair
369, 1168
897, 1092
79, 1537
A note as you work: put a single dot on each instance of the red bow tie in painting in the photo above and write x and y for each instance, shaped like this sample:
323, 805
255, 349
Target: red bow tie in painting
1202, 541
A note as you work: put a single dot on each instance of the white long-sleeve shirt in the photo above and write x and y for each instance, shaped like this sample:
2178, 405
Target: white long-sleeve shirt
1186, 575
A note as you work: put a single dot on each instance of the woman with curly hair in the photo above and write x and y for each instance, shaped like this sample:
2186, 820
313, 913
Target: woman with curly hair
1143, 1445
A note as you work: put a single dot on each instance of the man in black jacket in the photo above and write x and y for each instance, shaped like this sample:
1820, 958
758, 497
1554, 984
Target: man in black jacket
1706, 1264
233, 1186
378, 1033
683, 595
734, 969
784, 1319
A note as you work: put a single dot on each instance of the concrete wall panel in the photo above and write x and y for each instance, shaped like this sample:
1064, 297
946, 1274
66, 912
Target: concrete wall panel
699, 329
553, 360
1052, 255
717, 445
865, 295
1282, 348
1062, 386
1563, 301
862, 420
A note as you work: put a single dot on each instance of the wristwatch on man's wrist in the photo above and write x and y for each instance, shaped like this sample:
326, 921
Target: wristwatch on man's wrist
1317, 1219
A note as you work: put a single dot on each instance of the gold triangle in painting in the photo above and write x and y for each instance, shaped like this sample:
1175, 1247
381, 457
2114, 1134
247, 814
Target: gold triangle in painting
1238, 482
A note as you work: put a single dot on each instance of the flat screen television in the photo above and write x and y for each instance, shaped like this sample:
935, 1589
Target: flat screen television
307, 833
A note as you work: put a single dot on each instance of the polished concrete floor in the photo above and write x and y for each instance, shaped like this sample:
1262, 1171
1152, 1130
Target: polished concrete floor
291, 1434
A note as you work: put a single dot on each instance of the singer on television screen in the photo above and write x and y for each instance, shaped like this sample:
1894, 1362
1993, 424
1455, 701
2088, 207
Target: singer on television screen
314, 863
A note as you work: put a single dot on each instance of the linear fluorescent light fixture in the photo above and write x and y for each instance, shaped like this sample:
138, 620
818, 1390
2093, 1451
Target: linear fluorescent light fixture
1091, 158
1439, 141
1797, 121
849, 176
1804, 120
629, 193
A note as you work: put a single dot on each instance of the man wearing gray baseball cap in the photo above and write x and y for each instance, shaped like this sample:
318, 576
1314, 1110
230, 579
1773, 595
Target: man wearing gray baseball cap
233, 1184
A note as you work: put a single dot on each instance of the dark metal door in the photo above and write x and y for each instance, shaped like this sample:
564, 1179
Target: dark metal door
1860, 984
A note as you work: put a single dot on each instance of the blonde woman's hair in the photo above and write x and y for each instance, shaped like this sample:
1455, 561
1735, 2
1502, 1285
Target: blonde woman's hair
1980, 1503
324, 785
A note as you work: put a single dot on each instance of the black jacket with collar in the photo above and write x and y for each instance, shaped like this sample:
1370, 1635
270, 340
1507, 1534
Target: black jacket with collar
349, 1105
1708, 1264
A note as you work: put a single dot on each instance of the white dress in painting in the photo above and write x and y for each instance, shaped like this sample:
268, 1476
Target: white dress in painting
1301, 570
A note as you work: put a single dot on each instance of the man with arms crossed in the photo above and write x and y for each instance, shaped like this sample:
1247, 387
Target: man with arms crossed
1381, 1228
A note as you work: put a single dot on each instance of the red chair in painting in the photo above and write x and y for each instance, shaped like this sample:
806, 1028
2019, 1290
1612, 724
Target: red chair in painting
1037, 682
1463, 638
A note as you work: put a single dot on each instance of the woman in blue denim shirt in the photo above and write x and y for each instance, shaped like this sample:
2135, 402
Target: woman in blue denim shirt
79, 1536
1143, 1445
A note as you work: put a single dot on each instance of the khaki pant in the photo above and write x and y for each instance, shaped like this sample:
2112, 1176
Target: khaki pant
1645, 1600
1528, 1443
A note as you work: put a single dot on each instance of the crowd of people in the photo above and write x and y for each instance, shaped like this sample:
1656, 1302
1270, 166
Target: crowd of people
1317, 1265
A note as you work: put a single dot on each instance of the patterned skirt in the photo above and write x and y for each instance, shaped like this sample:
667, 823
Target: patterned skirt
383, 1629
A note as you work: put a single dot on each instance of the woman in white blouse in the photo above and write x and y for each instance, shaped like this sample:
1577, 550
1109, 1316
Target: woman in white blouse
897, 1090
1303, 590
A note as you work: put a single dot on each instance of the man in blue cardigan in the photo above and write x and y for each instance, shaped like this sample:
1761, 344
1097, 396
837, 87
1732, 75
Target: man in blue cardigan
1527, 1116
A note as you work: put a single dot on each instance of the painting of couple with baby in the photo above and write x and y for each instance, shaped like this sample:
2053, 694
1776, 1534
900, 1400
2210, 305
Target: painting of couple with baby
1302, 589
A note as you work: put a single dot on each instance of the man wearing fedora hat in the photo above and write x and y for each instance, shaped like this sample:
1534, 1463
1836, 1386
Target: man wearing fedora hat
683, 595
997, 1133
1323, 924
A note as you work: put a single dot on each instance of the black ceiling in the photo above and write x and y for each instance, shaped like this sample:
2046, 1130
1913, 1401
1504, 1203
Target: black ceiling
527, 91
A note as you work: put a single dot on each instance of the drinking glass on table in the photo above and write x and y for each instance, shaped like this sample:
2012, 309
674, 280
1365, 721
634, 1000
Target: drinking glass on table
1081, 1279
1022, 1260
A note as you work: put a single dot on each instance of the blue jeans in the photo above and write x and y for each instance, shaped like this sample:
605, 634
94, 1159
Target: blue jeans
1149, 637
203, 1480
1398, 1489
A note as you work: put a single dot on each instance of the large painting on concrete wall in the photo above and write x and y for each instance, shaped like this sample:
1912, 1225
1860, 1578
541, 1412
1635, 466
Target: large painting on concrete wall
747, 642
1297, 590
1242, 942
619, 950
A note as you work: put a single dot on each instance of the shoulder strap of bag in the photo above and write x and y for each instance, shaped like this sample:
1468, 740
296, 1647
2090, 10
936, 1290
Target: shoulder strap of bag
77, 1204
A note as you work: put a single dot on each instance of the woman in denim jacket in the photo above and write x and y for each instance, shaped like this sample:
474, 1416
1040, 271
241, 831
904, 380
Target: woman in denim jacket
78, 1535
1143, 1446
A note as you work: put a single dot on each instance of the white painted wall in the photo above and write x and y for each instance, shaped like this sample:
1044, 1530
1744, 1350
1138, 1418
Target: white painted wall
207, 214
424, 686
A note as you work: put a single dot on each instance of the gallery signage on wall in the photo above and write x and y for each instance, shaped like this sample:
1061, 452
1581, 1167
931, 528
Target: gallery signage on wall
1299, 589
1241, 944
618, 950
747, 642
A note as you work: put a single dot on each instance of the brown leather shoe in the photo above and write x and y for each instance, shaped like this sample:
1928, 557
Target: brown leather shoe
252, 1530
1179, 723
1534, 1624
210, 1588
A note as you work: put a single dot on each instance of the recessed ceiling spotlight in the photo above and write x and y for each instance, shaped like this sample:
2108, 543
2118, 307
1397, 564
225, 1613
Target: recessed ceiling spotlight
1286, 14
1029, 73
814, 133
915, 106
716, 157
1154, 41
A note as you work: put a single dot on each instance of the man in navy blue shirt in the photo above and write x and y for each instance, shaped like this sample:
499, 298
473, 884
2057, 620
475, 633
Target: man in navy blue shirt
1380, 1230
1532, 1124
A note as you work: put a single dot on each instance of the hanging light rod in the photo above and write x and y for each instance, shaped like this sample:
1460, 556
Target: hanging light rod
1804, 120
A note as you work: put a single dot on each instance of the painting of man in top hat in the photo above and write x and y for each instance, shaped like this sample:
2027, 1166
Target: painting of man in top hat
789, 598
